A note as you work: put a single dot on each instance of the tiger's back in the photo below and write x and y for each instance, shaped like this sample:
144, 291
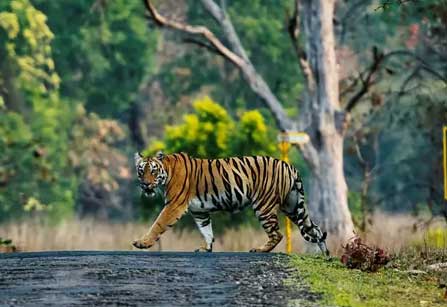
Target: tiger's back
231, 184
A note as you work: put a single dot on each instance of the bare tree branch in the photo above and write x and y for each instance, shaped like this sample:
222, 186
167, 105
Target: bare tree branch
349, 88
366, 81
407, 80
379, 58
426, 66
197, 30
238, 57
387, 4
255, 81
222, 18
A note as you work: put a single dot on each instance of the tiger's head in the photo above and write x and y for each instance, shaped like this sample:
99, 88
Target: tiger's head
151, 172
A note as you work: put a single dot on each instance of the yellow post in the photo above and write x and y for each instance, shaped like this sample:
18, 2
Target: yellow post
284, 148
444, 137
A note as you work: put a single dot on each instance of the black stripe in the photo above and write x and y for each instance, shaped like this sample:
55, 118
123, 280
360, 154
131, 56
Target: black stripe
238, 181
258, 169
244, 170
253, 172
210, 171
184, 182
239, 195
198, 181
216, 203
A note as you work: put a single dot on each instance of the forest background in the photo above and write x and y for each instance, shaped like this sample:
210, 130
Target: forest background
85, 84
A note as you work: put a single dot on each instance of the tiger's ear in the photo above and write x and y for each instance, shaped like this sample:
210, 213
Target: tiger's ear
138, 158
160, 155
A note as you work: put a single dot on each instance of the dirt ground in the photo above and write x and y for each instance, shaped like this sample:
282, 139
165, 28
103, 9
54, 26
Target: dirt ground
147, 278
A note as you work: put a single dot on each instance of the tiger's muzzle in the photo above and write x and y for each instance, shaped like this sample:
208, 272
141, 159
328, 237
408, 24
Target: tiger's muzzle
148, 189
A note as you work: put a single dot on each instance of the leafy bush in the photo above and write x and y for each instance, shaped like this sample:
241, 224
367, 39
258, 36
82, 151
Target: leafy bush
34, 120
49, 145
210, 132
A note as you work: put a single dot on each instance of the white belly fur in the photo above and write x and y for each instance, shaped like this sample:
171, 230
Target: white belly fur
205, 206
196, 205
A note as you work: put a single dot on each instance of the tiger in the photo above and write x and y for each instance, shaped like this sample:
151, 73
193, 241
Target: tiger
203, 186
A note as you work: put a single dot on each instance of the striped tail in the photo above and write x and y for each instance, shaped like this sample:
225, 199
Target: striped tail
309, 230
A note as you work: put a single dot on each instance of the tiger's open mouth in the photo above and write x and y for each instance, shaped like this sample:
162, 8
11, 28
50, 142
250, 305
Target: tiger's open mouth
148, 191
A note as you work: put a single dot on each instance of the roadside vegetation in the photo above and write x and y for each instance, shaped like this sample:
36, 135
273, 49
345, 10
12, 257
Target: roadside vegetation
415, 276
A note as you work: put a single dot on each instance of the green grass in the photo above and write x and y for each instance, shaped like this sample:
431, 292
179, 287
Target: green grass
387, 287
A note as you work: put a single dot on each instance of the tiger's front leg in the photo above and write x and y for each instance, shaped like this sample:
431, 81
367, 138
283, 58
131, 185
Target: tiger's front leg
203, 221
167, 218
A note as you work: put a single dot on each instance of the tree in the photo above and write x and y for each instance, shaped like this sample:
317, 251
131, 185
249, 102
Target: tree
400, 113
104, 52
322, 117
54, 155
34, 120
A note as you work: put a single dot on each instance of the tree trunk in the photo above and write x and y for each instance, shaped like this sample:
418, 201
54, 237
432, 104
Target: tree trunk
328, 190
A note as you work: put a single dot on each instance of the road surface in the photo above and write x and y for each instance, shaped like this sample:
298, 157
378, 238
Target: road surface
147, 279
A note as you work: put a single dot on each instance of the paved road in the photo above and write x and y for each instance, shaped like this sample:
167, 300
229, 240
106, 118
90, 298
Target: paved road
146, 279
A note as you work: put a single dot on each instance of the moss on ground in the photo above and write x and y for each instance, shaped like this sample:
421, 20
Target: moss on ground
387, 287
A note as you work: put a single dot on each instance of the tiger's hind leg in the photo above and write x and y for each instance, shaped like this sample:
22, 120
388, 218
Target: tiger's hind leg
203, 221
269, 221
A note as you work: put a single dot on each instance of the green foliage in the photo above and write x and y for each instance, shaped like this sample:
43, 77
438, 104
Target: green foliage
261, 26
210, 132
399, 123
34, 120
105, 51
253, 136
355, 206
49, 143
26, 41
345, 287
204, 133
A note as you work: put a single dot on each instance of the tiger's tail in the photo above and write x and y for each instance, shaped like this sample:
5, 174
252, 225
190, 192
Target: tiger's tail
310, 231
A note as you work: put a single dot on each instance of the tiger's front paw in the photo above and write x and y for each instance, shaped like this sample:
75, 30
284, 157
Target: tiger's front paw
142, 243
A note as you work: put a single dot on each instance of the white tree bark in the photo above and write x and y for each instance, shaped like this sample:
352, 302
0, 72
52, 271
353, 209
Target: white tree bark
328, 190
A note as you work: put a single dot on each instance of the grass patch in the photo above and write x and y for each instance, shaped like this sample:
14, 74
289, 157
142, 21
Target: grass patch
387, 287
